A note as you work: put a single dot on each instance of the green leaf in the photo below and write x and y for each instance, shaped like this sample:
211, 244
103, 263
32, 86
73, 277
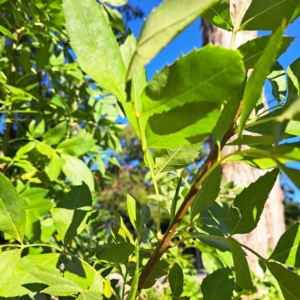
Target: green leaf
76, 171
135, 281
176, 158
254, 140
163, 24
76, 146
71, 214
34, 193
90, 37
253, 49
133, 212
219, 15
268, 14
25, 149
217, 215
256, 80
90, 295
44, 149
8, 262
289, 282
116, 253
208, 193
37, 127
115, 2
189, 124
175, 278
292, 174
61, 289
249, 204
6, 32
287, 250
293, 72
241, 268
224, 287
115, 18
196, 77
55, 134
175, 199
37, 208
293, 128
53, 169
277, 78
12, 210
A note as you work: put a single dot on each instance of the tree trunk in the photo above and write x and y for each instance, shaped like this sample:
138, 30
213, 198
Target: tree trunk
271, 225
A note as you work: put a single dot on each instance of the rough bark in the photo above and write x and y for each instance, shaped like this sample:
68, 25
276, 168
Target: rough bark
271, 224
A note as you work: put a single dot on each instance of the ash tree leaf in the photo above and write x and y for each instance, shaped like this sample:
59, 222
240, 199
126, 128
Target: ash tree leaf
208, 193
252, 140
77, 171
90, 295
71, 214
133, 212
241, 268
253, 49
12, 210
34, 193
219, 15
292, 174
293, 73
287, 250
115, 2
90, 37
115, 18
218, 285
288, 281
53, 169
163, 24
76, 146
189, 124
210, 75
61, 290
175, 278
255, 83
55, 134
268, 14
116, 253
249, 204
6, 32
176, 158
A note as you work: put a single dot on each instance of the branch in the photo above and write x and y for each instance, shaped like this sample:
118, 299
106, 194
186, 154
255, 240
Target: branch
165, 243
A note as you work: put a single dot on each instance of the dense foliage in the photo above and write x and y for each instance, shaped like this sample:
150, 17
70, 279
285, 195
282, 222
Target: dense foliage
62, 187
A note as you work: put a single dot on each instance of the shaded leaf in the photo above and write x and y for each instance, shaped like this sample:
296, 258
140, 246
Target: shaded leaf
293, 73
71, 214
12, 210
292, 174
162, 25
175, 278
249, 204
116, 253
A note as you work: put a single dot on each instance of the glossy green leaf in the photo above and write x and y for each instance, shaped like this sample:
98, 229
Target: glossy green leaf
255, 83
133, 212
176, 158
224, 287
287, 250
53, 169
268, 14
71, 214
277, 78
217, 215
289, 282
196, 77
253, 49
116, 253
55, 134
292, 174
90, 295
12, 210
6, 32
208, 193
293, 72
249, 204
90, 37
189, 124
241, 268
219, 15
76, 171
76, 146
175, 278
163, 24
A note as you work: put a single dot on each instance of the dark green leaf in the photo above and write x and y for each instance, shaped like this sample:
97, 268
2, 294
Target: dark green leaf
208, 192
218, 285
219, 15
90, 37
116, 253
268, 14
12, 210
293, 72
241, 268
175, 199
292, 174
249, 204
175, 278
287, 250
163, 24
289, 282
71, 213
55, 134
253, 140
115, 18
256, 80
